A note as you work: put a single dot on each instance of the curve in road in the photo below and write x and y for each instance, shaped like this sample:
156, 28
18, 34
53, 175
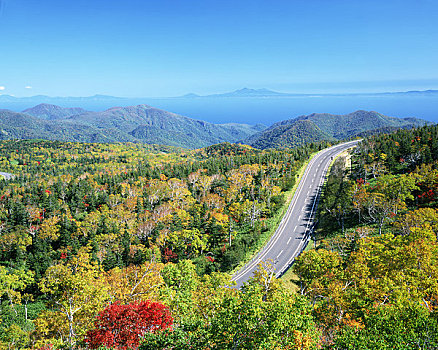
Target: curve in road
294, 231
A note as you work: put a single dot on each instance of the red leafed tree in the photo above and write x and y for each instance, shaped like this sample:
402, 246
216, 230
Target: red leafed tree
121, 326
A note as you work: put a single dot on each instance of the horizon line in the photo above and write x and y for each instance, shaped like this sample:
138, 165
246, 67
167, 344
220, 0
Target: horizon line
194, 95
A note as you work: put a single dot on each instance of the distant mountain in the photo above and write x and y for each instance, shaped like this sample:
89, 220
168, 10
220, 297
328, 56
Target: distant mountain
52, 112
419, 92
265, 93
9, 98
58, 99
140, 123
321, 126
190, 95
245, 92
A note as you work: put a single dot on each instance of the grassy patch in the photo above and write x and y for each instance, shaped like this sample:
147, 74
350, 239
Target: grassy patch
291, 281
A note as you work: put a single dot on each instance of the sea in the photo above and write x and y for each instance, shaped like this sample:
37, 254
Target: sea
265, 110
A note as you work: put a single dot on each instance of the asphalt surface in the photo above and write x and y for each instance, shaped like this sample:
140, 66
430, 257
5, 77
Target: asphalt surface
7, 176
294, 231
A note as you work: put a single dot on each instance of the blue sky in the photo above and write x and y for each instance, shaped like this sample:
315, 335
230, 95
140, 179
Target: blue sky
169, 48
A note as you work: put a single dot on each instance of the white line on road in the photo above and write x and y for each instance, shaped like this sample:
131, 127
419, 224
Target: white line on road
282, 227
279, 254
289, 240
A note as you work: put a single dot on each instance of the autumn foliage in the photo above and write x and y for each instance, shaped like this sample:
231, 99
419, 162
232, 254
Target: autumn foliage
121, 326
84, 225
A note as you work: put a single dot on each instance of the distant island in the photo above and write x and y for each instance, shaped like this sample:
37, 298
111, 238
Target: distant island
244, 92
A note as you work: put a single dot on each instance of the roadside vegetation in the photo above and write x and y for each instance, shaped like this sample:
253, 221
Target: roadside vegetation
372, 280
84, 226
127, 246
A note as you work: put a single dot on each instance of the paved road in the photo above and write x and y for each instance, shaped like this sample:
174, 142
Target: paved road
293, 233
7, 176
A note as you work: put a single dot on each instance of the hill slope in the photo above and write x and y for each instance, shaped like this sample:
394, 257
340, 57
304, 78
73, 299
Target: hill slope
323, 126
52, 112
23, 126
140, 123
288, 135
153, 125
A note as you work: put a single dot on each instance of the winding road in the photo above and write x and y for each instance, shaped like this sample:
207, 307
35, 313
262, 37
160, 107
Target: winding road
294, 231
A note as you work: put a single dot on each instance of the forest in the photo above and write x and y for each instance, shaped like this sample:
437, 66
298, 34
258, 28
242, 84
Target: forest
131, 246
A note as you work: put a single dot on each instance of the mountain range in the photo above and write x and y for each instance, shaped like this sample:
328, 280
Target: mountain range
58, 99
322, 126
140, 123
146, 124
244, 92
250, 106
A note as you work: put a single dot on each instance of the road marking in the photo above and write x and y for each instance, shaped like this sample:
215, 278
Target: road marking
295, 228
289, 240
279, 254
293, 207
